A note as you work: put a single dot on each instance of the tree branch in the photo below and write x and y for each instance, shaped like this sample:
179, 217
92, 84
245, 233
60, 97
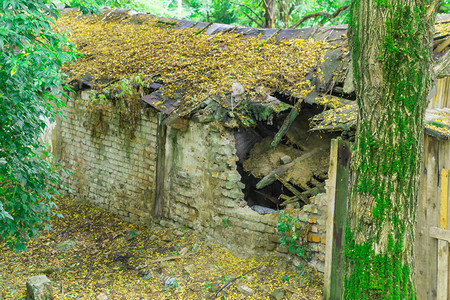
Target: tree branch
321, 14
247, 7
256, 22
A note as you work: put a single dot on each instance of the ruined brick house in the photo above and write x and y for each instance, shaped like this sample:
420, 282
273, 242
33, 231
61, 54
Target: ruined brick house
197, 163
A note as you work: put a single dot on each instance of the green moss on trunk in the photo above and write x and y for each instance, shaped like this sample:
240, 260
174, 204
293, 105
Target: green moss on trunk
391, 53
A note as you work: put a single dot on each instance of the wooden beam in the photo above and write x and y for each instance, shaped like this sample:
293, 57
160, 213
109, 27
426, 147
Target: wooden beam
440, 234
444, 44
287, 123
444, 198
160, 166
330, 218
442, 283
340, 156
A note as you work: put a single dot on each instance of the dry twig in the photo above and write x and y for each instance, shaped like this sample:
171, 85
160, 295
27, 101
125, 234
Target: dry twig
233, 280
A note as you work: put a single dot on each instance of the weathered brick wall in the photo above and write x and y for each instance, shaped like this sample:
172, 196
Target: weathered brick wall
203, 191
108, 170
202, 187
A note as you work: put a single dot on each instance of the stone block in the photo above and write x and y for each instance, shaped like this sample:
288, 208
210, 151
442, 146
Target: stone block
234, 176
322, 220
229, 184
302, 216
314, 238
270, 229
39, 288
270, 246
311, 208
285, 159
314, 229
228, 203
85, 95
274, 238
282, 249
256, 227
235, 194
312, 220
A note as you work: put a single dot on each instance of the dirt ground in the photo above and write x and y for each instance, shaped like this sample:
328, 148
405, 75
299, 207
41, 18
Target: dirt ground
91, 254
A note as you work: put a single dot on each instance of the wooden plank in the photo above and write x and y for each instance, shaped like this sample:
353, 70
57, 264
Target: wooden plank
331, 187
443, 250
336, 224
444, 198
442, 283
433, 216
160, 166
422, 235
444, 44
287, 123
427, 216
440, 233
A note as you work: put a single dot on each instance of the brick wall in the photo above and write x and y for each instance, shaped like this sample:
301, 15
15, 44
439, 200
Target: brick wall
203, 191
202, 187
108, 170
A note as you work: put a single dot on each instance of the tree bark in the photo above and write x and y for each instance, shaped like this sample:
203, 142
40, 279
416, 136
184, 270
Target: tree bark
270, 9
391, 47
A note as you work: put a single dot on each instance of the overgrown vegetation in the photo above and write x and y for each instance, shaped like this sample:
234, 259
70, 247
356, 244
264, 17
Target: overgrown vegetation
293, 234
31, 54
122, 98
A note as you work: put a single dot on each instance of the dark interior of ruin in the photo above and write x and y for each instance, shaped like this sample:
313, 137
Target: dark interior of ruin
298, 165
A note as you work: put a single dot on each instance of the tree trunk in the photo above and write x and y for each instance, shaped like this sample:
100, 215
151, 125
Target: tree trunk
391, 48
284, 11
270, 8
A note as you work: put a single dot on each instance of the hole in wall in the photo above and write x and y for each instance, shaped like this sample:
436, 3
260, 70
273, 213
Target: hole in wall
256, 159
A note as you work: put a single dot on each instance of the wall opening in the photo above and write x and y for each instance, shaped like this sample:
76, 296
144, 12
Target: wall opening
300, 162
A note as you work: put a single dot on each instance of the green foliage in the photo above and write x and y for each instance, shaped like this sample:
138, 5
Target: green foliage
97, 114
226, 222
445, 7
293, 234
212, 11
239, 12
92, 6
30, 80
122, 98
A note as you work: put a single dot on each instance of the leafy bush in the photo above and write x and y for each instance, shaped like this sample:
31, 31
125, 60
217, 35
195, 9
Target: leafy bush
293, 234
30, 82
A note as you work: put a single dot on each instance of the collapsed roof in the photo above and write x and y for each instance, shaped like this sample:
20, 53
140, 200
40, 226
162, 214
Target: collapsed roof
216, 72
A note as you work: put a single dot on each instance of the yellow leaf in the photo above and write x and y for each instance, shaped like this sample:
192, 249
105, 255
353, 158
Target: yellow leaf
14, 70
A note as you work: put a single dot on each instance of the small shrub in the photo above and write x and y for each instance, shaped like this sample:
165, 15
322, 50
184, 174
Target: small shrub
293, 234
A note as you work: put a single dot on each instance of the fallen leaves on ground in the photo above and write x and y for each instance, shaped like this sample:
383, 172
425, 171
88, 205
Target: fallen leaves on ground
90, 254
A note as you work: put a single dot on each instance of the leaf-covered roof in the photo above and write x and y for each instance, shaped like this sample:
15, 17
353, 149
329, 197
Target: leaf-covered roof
225, 70
216, 72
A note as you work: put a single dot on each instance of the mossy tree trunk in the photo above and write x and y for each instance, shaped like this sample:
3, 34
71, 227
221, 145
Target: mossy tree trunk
391, 48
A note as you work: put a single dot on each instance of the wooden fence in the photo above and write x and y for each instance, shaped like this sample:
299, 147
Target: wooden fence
432, 237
